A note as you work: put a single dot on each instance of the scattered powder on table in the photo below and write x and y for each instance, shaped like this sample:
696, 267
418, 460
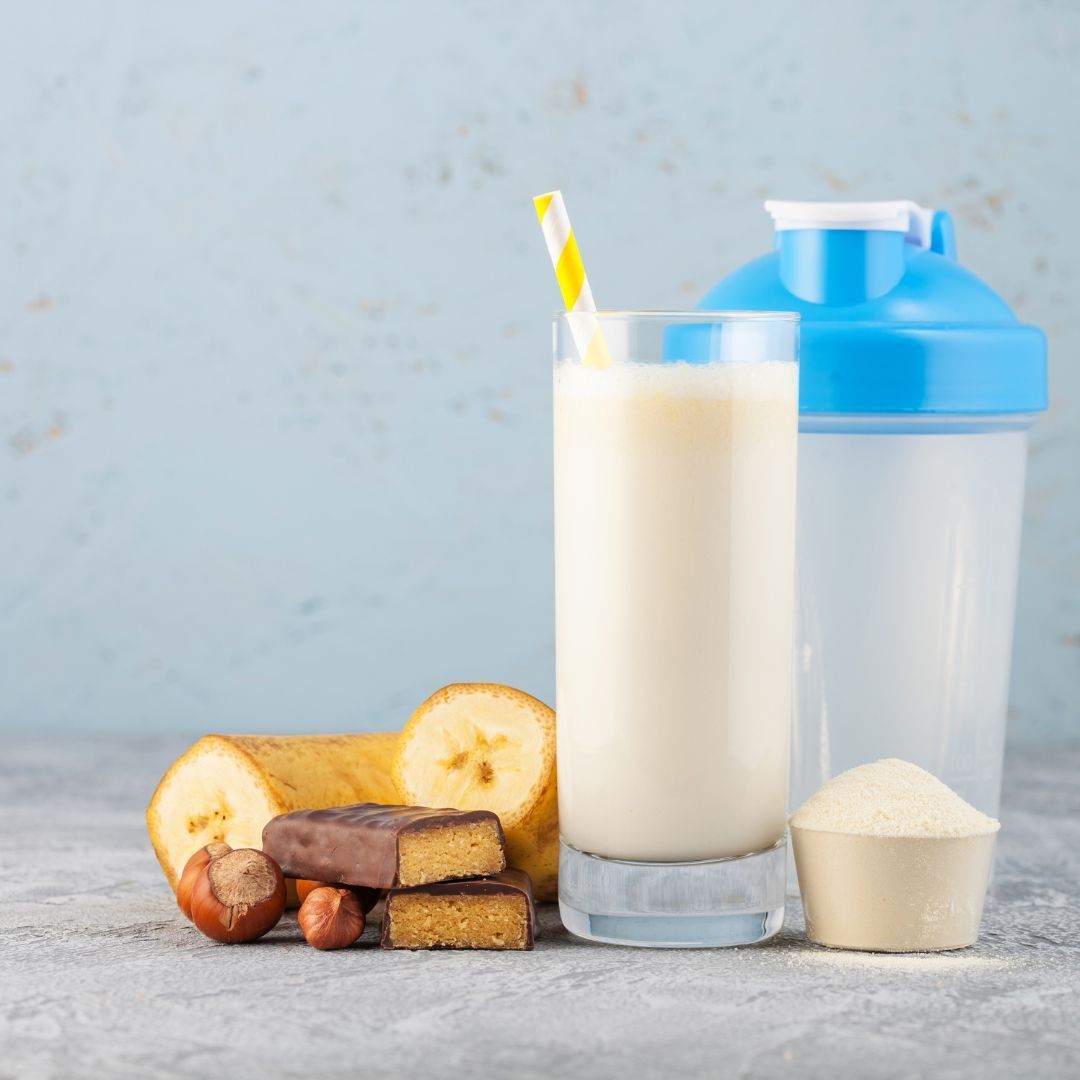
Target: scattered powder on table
905, 963
891, 798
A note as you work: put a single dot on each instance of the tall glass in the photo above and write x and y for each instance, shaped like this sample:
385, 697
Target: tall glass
674, 553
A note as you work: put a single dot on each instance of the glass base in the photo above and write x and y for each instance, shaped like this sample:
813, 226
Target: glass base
682, 905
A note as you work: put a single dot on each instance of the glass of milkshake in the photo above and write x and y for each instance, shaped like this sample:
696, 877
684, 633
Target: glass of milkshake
675, 453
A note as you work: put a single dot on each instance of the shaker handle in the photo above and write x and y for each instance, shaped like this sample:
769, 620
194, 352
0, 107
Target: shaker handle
931, 230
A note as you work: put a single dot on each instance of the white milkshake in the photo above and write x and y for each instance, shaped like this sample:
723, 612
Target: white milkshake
675, 529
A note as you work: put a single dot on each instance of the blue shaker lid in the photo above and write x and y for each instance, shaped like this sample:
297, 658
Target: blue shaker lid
891, 322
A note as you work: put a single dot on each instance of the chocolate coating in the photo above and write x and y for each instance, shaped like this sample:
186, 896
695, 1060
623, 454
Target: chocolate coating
355, 845
508, 883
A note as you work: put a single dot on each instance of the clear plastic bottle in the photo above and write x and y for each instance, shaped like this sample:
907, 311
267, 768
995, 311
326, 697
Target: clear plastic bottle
918, 388
905, 612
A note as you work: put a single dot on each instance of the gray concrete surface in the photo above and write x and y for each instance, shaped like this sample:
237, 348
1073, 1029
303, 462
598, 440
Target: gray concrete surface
100, 976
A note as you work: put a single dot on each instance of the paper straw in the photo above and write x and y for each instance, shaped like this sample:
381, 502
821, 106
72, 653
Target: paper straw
570, 272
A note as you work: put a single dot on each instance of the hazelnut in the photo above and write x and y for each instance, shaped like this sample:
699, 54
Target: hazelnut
367, 897
238, 896
191, 870
303, 887
331, 918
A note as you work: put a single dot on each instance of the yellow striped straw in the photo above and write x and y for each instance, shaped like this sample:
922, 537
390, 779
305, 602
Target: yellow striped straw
570, 271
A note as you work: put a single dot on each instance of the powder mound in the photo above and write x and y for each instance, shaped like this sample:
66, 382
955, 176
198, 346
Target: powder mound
891, 798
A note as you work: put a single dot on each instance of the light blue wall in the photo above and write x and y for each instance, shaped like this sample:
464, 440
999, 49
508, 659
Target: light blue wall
274, 447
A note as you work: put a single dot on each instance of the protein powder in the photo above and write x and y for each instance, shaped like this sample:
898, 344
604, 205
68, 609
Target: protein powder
892, 860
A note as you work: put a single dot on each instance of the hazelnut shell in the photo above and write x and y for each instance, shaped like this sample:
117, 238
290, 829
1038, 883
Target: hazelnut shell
331, 918
238, 897
191, 870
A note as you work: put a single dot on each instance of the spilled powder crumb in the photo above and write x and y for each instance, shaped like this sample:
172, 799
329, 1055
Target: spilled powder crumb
941, 963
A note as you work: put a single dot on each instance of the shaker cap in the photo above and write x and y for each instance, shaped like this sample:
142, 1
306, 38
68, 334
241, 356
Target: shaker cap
892, 323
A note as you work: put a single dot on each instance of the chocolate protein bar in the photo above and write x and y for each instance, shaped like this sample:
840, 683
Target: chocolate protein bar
384, 846
494, 913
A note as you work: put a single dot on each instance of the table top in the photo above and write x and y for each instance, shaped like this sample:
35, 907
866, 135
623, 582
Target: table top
101, 976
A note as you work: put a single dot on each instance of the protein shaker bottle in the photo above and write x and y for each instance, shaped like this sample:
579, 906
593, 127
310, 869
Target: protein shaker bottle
918, 388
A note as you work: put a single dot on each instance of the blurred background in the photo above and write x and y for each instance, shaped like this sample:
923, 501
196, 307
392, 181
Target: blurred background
274, 314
